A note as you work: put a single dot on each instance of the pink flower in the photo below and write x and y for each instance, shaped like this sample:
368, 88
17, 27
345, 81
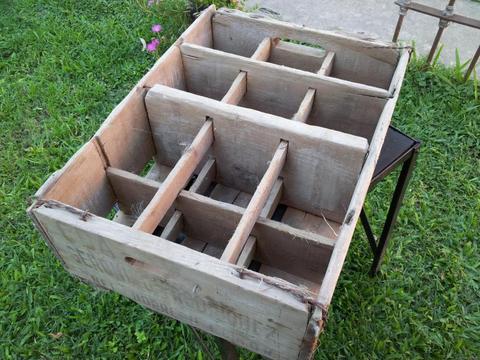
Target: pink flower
152, 45
156, 28
150, 2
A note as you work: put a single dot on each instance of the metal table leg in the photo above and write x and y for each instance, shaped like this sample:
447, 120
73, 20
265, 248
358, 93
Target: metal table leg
395, 204
227, 350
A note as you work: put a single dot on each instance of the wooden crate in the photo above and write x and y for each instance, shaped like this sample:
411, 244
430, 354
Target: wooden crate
264, 136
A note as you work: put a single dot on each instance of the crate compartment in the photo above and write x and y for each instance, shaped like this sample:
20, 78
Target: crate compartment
205, 225
238, 33
245, 141
242, 225
296, 55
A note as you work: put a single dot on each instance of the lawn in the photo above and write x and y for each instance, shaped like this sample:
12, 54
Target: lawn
64, 66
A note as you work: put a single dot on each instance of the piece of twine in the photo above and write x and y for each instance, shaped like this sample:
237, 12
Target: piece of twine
53, 204
302, 294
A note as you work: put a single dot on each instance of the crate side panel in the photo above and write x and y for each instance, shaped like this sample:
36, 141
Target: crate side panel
83, 183
125, 138
179, 282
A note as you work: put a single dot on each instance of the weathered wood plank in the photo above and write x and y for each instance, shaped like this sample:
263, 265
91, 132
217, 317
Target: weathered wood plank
274, 272
236, 92
363, 61
305, 107
248, 252
348, 226
202, 63
254, 208
205, 177
321, 169
204, 292
296, 56
327, 65
263, 50
278, 244
176, 180
316, 224
82, 183
273, 199
174, 226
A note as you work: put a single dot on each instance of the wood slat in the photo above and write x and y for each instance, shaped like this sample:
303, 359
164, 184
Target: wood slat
236, 92
203, 181
273, 199
364, 61
305, 107
176, 180
211, 59
327, 64
173, 227
263, 50
247, 253
254, 208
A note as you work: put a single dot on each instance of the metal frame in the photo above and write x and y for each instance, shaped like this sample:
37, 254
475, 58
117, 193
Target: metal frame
445, 17
408, 159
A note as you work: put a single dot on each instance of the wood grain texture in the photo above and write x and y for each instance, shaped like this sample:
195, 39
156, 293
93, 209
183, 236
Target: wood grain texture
321, 169
237, 90
176, 180
83, 183
256, 204
343, 243
296, 56
205, 292
262, 53
363, 61
327, 65
278, 245
305, 107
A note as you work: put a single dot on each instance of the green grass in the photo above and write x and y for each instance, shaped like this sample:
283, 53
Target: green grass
63, 67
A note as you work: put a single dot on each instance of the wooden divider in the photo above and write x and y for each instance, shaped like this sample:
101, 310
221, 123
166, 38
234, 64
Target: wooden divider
241, 247
204, 178
176, 180
306, 106
256, 204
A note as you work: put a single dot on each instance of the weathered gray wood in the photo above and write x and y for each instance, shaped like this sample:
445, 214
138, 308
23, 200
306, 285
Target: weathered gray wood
316, 224
256, 204
174, 226
82, 183
176, 180
204, 292
263, 50
297, 56
273, 199
216, 69
339, 254
248, 252
205, 177
327, 65
236, 92
278, 245
321, 169
363, 61
305, 107
274, 272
